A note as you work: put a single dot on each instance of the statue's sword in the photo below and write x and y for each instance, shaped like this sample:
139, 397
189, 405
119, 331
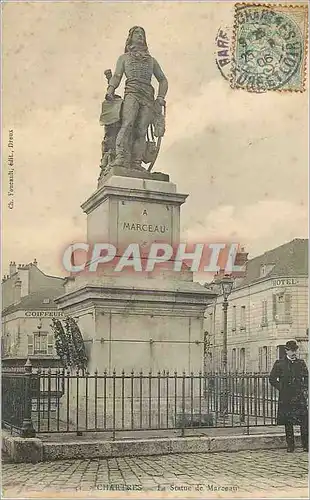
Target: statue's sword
158, 146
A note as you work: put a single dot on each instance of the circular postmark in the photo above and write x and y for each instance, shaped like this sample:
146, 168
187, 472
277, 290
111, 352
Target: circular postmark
268, 49
223, 51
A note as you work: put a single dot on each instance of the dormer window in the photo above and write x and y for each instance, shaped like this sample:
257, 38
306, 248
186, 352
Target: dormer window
262, 271
265, 269
46, 301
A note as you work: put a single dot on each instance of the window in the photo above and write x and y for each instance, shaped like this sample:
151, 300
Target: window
221, 357
46, 301
264, 313
242, 359
264, 357
210, 323
209, 366
242, 318
280, 351
30, 344
40, 343
287, 307
233, 360
234, 318
6, 344
265, 269
282, 305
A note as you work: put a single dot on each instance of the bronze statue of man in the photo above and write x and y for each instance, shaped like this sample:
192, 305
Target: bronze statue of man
139, 103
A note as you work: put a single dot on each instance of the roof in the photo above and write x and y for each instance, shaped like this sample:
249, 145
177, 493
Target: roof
288, 260
35, 300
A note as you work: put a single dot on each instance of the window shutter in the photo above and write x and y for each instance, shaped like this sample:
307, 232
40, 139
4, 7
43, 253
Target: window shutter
264, 312
281, 351
50, 344
260, 359
30, 344
268, 358
274, 306
287, 306
234, 318
235, 359
242, 359
211, 323
242, 318
37, 343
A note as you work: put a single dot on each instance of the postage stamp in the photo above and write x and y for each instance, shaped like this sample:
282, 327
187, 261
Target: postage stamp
269, 47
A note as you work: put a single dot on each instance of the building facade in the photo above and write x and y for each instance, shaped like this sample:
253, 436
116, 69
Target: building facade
28, 307
266, 308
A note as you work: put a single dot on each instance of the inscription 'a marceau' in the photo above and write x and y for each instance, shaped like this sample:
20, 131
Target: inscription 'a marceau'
148, 228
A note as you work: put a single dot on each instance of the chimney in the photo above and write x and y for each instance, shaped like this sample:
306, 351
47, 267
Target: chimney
241, 257
12, 268
17, 291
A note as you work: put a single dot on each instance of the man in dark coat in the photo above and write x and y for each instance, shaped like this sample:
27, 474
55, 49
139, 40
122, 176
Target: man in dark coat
290, 377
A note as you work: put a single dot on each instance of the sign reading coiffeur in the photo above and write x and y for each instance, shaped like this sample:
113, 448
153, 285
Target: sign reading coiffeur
44, 314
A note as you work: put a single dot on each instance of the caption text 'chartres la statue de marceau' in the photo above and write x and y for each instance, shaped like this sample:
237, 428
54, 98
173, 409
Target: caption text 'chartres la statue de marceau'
135, 124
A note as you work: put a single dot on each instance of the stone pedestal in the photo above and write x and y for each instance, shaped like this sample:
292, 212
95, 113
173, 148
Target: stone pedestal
133, 210
140, 321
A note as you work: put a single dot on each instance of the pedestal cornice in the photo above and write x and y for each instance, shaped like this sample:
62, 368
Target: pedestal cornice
133, 194
172, 299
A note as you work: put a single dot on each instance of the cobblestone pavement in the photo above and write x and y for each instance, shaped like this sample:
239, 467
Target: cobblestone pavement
245, 474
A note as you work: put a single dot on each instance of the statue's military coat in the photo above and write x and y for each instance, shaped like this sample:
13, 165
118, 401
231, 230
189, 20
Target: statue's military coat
291, 380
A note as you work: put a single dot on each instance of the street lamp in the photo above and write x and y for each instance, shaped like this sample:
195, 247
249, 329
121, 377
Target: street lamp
227, 284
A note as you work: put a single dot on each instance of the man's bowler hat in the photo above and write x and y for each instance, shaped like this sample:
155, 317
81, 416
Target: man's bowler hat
291, 345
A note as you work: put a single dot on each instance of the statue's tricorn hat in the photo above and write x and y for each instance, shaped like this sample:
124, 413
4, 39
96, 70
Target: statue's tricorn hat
291, 345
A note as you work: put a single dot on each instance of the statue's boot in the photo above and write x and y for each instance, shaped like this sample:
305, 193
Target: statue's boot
120, 160
136, 165
104, 161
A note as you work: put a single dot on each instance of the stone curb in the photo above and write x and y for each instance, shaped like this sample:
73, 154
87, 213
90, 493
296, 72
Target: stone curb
163, 446
23, 449
34, 450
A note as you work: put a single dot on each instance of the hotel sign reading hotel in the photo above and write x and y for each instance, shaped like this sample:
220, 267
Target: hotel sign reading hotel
284, 282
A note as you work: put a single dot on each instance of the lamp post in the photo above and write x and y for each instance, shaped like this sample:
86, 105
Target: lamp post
227, 283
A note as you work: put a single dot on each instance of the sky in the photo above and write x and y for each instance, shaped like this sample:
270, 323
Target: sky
241, 157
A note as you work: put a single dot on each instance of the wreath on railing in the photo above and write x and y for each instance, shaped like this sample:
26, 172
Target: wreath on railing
69, 343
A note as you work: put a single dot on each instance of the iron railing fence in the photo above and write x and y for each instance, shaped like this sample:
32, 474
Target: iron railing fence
57, 401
